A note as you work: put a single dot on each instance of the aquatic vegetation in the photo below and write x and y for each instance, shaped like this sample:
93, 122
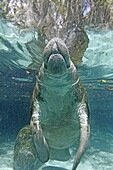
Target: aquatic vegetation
101, 14
58, 18
50, 19
59, 15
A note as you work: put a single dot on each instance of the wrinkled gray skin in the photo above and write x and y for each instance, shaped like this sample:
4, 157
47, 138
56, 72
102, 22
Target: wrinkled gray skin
60, 112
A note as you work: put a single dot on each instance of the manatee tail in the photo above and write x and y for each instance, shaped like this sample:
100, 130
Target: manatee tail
84, 134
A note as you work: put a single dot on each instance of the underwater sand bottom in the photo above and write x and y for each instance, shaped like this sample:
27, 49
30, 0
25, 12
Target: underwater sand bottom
99, 156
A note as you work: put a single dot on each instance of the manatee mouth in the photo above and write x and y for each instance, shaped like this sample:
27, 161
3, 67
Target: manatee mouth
56, 64
56, 57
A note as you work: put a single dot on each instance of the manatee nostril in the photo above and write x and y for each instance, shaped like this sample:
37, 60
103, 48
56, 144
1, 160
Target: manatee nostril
63, 50
55, 48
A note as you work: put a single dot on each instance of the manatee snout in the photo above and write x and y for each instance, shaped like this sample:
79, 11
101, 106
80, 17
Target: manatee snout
56, 64
56, 57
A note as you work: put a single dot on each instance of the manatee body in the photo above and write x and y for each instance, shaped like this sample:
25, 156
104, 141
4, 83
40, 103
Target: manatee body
60, 113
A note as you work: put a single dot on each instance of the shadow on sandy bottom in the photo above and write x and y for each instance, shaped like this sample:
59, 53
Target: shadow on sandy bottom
53, 168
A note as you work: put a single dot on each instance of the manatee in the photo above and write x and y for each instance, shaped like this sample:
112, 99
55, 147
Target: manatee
60, 114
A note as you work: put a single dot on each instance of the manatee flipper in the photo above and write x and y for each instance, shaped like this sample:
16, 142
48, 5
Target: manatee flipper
38, 137
84, 133
25, 154
41, 146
